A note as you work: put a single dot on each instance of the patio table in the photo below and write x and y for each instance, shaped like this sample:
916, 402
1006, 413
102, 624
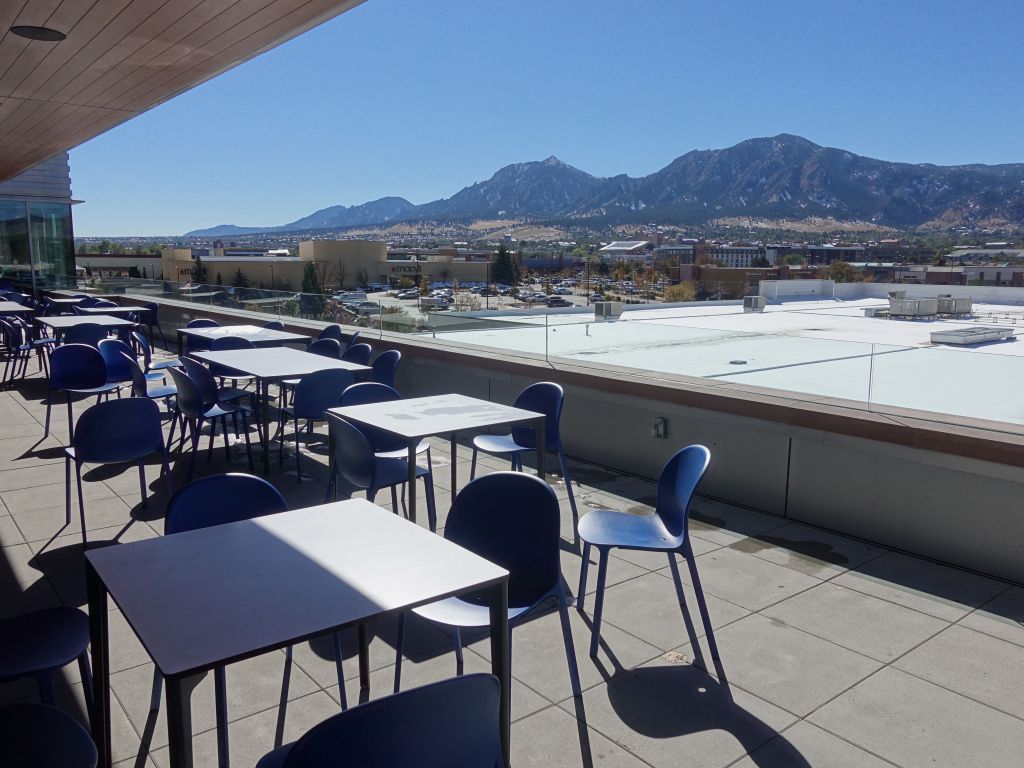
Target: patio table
260, 337
420, 417
272, 365
60, 323
214, 596
13, 308
121, 310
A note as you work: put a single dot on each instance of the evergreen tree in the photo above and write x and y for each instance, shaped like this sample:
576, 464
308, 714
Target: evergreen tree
312, 291
220, 281
505, 270
198, 271
240, 280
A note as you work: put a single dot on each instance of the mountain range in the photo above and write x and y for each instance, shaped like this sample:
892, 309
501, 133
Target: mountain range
781, 177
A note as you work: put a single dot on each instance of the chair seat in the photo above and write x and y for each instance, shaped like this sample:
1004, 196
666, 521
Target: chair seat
498, 444
156, 376
41, 736
158, 393
402, 453
455, 612
227, 394
46, 639
607, 528
110, 386
159, 365
219, 409
394, 471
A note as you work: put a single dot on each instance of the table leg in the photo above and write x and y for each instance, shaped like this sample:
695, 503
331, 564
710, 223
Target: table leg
100, 692
455, 460
264, 387
540, 437
501, 663
181, 345
364, 659
179, 718
410, 491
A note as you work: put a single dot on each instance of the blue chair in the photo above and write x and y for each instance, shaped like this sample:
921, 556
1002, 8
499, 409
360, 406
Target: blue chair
355, 464
146, 349
202, 322
332, 331
42, 736
664, 531
358, 354
385, 445
114, 352
84, 333
348, 341
152, 320
223, 372
314, 394
88, 301
76, 369
211, 391
141, 388
511, 519
452, 723
41, 643
274, 325
18, 350
196, 344
194, 410
325, 347
115, 432
218, 500
544, 397
385, 367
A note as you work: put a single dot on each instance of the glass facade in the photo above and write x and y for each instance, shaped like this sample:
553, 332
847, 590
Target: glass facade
36, 236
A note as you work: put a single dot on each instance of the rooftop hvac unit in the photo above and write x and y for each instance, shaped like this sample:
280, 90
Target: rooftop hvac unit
913, 307
950, 306
754, 303
897, 294
607, 310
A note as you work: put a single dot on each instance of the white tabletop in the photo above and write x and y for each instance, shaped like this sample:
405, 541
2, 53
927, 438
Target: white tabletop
66, 321
12, 308
253, 333
215, 595
124, 310
437, 415
64, 299
275, 362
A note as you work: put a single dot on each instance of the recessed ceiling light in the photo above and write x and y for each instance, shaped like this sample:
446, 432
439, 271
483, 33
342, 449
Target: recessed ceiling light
39, 33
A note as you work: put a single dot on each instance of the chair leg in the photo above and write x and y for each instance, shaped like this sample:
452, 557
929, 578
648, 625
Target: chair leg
399, 651
81, 502
280, 433
581, 591
298, 452
702, 605
49, 405
331, 483
341, 672
220, 687
394, 499
602, 573
459, 665
572, 498
248, 441
570, 648
224, 434
428, 487
472, 468
45, 682
213, 434
67, 491
154, 696
197, 428
71, 422
86, 673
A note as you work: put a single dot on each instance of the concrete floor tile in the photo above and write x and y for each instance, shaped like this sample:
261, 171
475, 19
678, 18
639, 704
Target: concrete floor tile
9, 533
1002, 617
945, 592
805, 745
854, 620
648, 608
789, 668
554, 739
979, 666
724, 523
916, 724
619, 570
124, 741
42, 524
678, 716
746, 580
48, 496
30, 477
808, 550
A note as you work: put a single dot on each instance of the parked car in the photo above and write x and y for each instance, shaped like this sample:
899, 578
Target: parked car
562, 292
488, 292
558, 301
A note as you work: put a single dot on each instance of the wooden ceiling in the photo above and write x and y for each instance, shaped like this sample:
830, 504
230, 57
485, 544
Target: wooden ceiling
122, 57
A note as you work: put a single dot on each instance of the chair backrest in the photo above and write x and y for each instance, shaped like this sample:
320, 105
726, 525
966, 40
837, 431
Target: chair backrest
274, 325
318, 391
88, 301
114, 351
358, 354
332, 331
139, 386
326, 348
201, 375
84, 333
543, 397
511, 519
385, 367
119, 430
452, 723
142, 343
353, 454
676, 484
104, 304
230, 342
373, 392
189, 398
77, 366
348, 341
154, 312
220, 499
202, 322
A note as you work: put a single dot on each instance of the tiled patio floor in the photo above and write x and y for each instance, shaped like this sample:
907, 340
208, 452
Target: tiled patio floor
835, 652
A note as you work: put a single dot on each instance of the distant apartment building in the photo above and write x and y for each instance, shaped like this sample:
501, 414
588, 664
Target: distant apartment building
142, 265
626, 250
829, 254
680, 253
736, 256
985, 255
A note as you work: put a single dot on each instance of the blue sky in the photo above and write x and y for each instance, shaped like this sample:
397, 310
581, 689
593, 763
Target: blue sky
418, 99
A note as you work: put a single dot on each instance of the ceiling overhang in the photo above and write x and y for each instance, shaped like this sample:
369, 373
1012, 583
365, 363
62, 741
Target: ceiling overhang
122, 57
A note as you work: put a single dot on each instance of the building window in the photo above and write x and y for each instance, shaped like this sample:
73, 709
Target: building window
14, 253
53, 244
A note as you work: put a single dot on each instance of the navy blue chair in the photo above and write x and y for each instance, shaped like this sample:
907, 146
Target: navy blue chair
385, 445
114, 352
193, 344
665, 531
212, 393
385, 367
358, 354
202, 322
88, 301
76, 369
332, 331
104, 304
326, 348
348, 341
115, 432
544, 397
355, 464
84, 333
146, 349
194, 407
274, 325
152, 320
18, 350
218, 500
141, 388
41, 736
41, 643
452, 723
314, 394
511, 519
222, 372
